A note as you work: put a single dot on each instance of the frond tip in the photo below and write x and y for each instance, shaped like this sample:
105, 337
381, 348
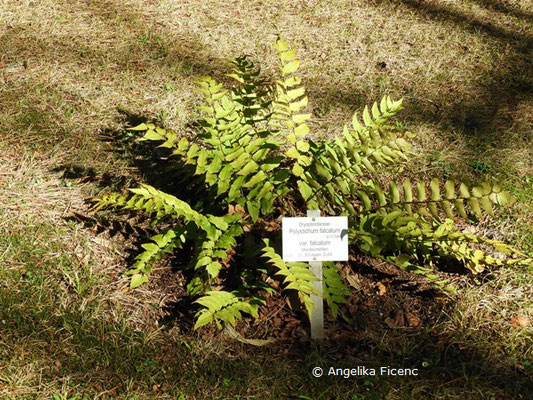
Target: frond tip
297, 275
223, 306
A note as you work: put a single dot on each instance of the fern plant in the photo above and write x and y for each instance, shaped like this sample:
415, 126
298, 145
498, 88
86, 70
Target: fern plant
252, 153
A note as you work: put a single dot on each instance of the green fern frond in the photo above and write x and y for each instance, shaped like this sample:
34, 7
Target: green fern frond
290, 101
440, 199
165, 242
380, 115
335, 291
223, 306
331, 171
420, 241
157, 134
151, 200
297, 275
213, 252
252, 93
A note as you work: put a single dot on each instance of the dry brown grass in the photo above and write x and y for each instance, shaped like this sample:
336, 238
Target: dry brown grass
29, 188
63, 298
461, 66
71, 70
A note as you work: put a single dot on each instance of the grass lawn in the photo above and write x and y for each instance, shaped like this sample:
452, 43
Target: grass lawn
75, 74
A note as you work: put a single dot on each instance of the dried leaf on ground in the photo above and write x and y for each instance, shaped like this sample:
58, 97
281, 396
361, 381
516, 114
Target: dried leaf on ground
382, 289
397, 320
354, 281
413, 321
519, 320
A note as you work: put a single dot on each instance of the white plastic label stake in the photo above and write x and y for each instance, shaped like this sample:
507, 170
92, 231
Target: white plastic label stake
317, 315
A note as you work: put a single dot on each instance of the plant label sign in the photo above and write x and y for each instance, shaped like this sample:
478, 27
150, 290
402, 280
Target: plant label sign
315, 238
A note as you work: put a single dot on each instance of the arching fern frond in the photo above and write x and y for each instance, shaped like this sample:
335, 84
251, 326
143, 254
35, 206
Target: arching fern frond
223, 306
335, 291
151, 200
332, 176
438, 200
409, 241
159, 245
297, 275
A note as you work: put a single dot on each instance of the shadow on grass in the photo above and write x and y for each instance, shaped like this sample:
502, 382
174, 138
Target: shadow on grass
78, 347
509, 85
504, 8
185, 53
38, 105
448, 365
181, 51
481, 119
450, 15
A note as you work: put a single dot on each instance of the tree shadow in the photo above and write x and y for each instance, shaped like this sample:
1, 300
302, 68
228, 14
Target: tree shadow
98, 354
182, 54
476, 119
187, 52
504, 8
447, 15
